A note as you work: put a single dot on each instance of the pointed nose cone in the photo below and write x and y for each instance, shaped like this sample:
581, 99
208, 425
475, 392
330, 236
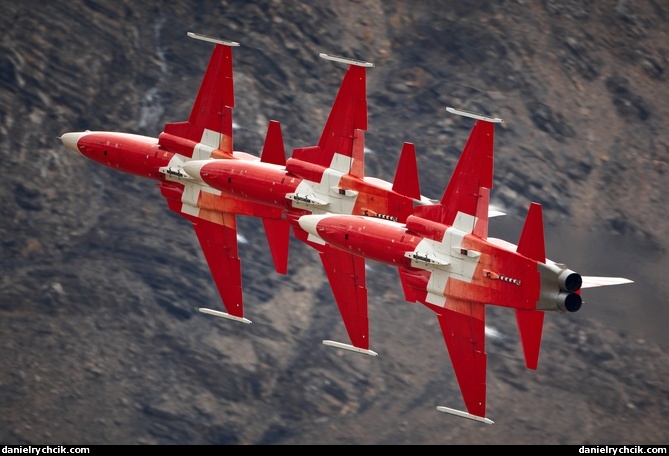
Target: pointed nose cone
71, 140
309, 223
194, 168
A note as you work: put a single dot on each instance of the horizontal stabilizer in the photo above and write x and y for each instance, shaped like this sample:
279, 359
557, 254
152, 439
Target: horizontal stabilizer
332, 343
273, 150
462, 414
531, 243
278, 238
218, 313
406, 180
530, 326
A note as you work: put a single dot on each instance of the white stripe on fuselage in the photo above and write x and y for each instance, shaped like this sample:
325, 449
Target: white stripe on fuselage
191, 193
211, 140
328, 190
341, 163
462, 266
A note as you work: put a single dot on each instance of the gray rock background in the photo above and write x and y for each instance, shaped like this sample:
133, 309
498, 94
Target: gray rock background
99, 281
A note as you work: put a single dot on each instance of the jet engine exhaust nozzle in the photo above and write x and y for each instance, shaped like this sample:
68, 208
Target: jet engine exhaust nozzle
569, 302
570, 281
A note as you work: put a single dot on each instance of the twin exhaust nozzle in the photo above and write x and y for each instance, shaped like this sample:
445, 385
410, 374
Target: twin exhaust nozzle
568, 299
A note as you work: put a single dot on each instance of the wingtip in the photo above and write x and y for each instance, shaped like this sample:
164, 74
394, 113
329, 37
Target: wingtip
349, 61
218, 313
461, 414
474, 115
211, 39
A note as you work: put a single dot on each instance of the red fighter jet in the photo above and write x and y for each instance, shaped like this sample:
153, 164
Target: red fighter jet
208, 132
447, 262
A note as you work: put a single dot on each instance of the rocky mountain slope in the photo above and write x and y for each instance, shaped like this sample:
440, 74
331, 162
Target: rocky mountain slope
99, 282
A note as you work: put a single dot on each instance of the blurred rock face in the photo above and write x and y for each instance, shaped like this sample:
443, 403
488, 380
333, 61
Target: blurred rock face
99, 281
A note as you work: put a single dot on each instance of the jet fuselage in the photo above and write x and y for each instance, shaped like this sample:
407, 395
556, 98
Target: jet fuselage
451, 263
324, 190
126, 152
